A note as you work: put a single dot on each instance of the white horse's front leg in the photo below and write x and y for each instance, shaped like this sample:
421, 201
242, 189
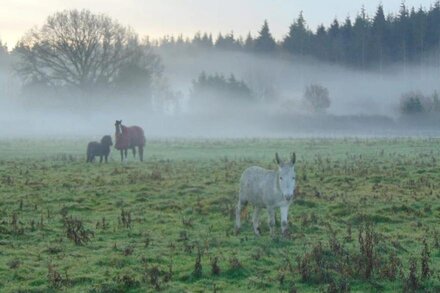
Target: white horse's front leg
284, 224
271, 213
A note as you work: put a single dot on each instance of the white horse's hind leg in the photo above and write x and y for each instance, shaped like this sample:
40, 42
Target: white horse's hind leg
284, 225
238, 215
256, 220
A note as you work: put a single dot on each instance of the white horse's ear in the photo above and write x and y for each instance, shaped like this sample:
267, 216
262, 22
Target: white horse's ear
293, 159
277, 159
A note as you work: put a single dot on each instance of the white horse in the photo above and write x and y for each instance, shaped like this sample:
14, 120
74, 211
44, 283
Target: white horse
267, 189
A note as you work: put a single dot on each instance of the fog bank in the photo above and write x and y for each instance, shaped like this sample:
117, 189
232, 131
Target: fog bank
363, 103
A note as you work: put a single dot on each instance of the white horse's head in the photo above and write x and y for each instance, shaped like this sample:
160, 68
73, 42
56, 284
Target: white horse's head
286, 176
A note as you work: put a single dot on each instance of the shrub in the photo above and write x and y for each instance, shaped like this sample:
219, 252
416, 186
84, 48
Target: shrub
316, 98
198, 264
76, 231
413, 103
436, 102
412, 282
209, 90
215, 268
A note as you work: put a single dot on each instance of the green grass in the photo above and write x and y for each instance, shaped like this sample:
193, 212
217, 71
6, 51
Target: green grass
181, 202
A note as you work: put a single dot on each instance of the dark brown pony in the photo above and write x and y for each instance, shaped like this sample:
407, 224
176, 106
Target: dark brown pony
129, 138
101, 149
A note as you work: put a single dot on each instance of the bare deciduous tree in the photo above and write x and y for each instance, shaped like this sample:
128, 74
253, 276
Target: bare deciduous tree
84, 50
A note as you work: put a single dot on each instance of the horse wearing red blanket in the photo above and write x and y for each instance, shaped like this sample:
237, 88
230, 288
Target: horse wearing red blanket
129, 138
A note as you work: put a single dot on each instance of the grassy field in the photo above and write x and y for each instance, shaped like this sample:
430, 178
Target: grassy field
366, 218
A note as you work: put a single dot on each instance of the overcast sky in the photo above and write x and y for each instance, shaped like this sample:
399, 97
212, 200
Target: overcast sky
172, 17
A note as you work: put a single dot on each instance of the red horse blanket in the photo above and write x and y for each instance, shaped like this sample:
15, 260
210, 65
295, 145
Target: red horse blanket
130, 137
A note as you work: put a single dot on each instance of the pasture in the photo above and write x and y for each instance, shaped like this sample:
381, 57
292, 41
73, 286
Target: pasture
366, 218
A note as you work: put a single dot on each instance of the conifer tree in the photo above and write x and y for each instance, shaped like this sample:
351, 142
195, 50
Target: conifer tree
379, 34
297, 40
265, 42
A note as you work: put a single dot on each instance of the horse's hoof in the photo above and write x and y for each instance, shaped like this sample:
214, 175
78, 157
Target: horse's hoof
257, 232
286, 234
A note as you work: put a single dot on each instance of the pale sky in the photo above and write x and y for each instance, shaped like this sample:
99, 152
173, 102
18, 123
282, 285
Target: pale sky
172, 17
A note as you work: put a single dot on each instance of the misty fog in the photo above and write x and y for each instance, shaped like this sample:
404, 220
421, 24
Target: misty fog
352, 92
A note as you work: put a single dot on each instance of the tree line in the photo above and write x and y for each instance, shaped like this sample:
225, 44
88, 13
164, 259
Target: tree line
82, 50
410, 36
78, 51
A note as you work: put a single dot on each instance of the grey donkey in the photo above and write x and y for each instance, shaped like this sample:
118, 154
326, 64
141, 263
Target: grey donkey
267, 189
